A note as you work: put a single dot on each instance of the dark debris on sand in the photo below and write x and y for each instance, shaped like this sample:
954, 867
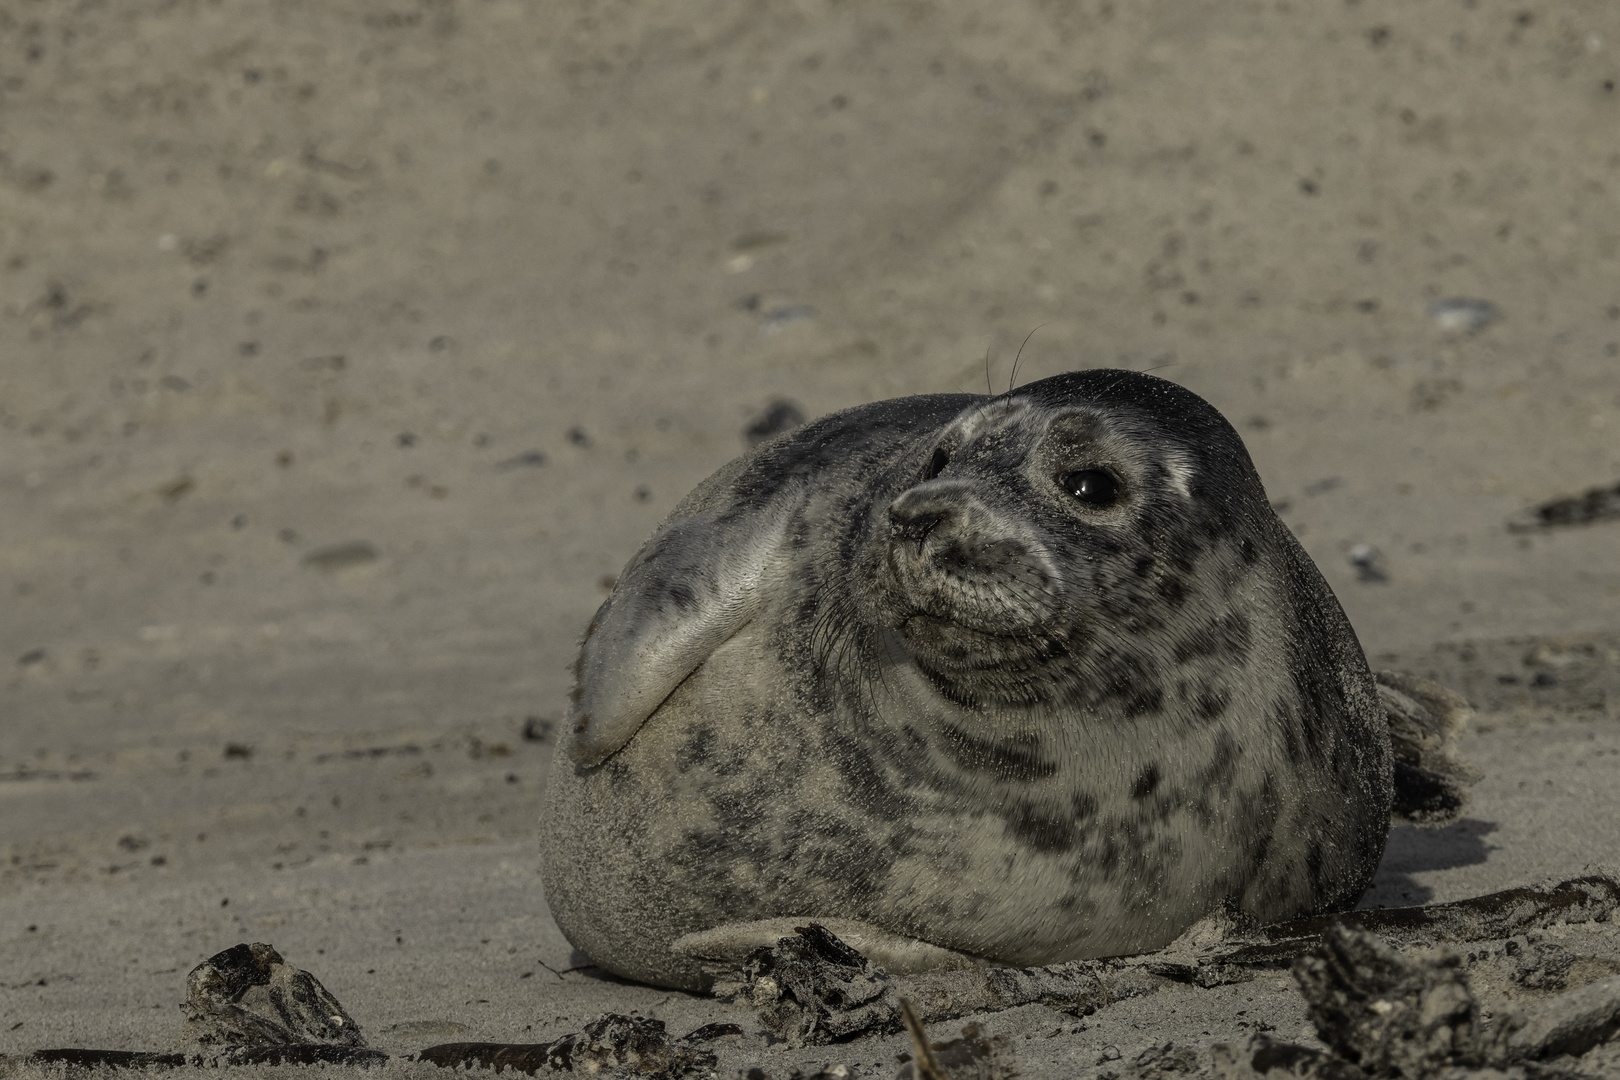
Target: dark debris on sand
812, 989
1386, 1014
246, 1006
1587, 508
1386, 992
612, 1045
972, 1057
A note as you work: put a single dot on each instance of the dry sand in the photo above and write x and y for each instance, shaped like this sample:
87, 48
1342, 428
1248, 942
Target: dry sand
479, 288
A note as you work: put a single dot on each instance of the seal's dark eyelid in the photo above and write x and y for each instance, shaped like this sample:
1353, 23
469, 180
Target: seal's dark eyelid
936, 464
1094, 487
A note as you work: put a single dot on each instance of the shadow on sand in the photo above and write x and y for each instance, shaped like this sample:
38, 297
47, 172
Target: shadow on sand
1414, 850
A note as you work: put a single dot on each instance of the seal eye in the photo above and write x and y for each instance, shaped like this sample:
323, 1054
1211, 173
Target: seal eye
1094, 487
936, 464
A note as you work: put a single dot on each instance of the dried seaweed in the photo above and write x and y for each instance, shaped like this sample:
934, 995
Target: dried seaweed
635, 1045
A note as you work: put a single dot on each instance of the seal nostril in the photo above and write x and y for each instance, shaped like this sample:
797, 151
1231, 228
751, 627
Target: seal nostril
914, 527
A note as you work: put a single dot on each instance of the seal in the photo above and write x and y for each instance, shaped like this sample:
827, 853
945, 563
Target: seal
1013, 680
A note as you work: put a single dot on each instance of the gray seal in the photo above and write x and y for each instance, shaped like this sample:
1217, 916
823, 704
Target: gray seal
1013, 680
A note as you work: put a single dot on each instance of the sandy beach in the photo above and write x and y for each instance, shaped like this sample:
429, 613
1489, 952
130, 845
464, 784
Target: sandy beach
347, 352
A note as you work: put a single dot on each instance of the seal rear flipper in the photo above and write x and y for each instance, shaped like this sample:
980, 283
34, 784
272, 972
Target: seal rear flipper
693, 585
722, 950
1425, 718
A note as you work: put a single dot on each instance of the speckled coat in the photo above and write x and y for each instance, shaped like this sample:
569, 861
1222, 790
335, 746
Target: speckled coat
888, 668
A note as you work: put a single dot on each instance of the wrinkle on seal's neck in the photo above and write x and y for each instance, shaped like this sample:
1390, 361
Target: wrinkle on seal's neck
1008, 752
912, 699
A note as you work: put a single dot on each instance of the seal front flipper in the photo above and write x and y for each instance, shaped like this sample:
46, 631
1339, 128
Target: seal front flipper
722, 950
697, 582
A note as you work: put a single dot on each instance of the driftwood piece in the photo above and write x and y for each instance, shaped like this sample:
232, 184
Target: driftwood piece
812, 989
1589, 898
1385, 1014
111, 1059
247, 1006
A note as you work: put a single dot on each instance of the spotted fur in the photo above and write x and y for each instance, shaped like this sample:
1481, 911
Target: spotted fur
960, 706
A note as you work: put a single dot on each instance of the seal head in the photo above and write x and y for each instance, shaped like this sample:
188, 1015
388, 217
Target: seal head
1039, 533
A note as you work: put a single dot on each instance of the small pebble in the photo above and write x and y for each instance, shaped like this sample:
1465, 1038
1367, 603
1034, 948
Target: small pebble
1321, 487
1368, 561
341, 556
775, 320
528, 458
1461, 315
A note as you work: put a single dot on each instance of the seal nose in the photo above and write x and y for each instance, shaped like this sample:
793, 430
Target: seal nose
916, 514
913, 527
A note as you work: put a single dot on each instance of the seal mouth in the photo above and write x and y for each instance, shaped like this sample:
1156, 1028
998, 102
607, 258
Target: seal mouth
968, 641
996, 589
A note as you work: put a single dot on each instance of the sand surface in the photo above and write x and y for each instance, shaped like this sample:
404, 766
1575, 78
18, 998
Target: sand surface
347, 351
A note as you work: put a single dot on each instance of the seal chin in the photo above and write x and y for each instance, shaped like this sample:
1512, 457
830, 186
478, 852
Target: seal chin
971, 668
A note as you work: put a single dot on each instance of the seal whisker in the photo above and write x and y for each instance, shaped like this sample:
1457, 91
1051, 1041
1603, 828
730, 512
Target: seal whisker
1012, 376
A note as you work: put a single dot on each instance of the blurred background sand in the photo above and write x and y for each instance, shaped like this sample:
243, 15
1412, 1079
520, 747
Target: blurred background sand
347, 351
